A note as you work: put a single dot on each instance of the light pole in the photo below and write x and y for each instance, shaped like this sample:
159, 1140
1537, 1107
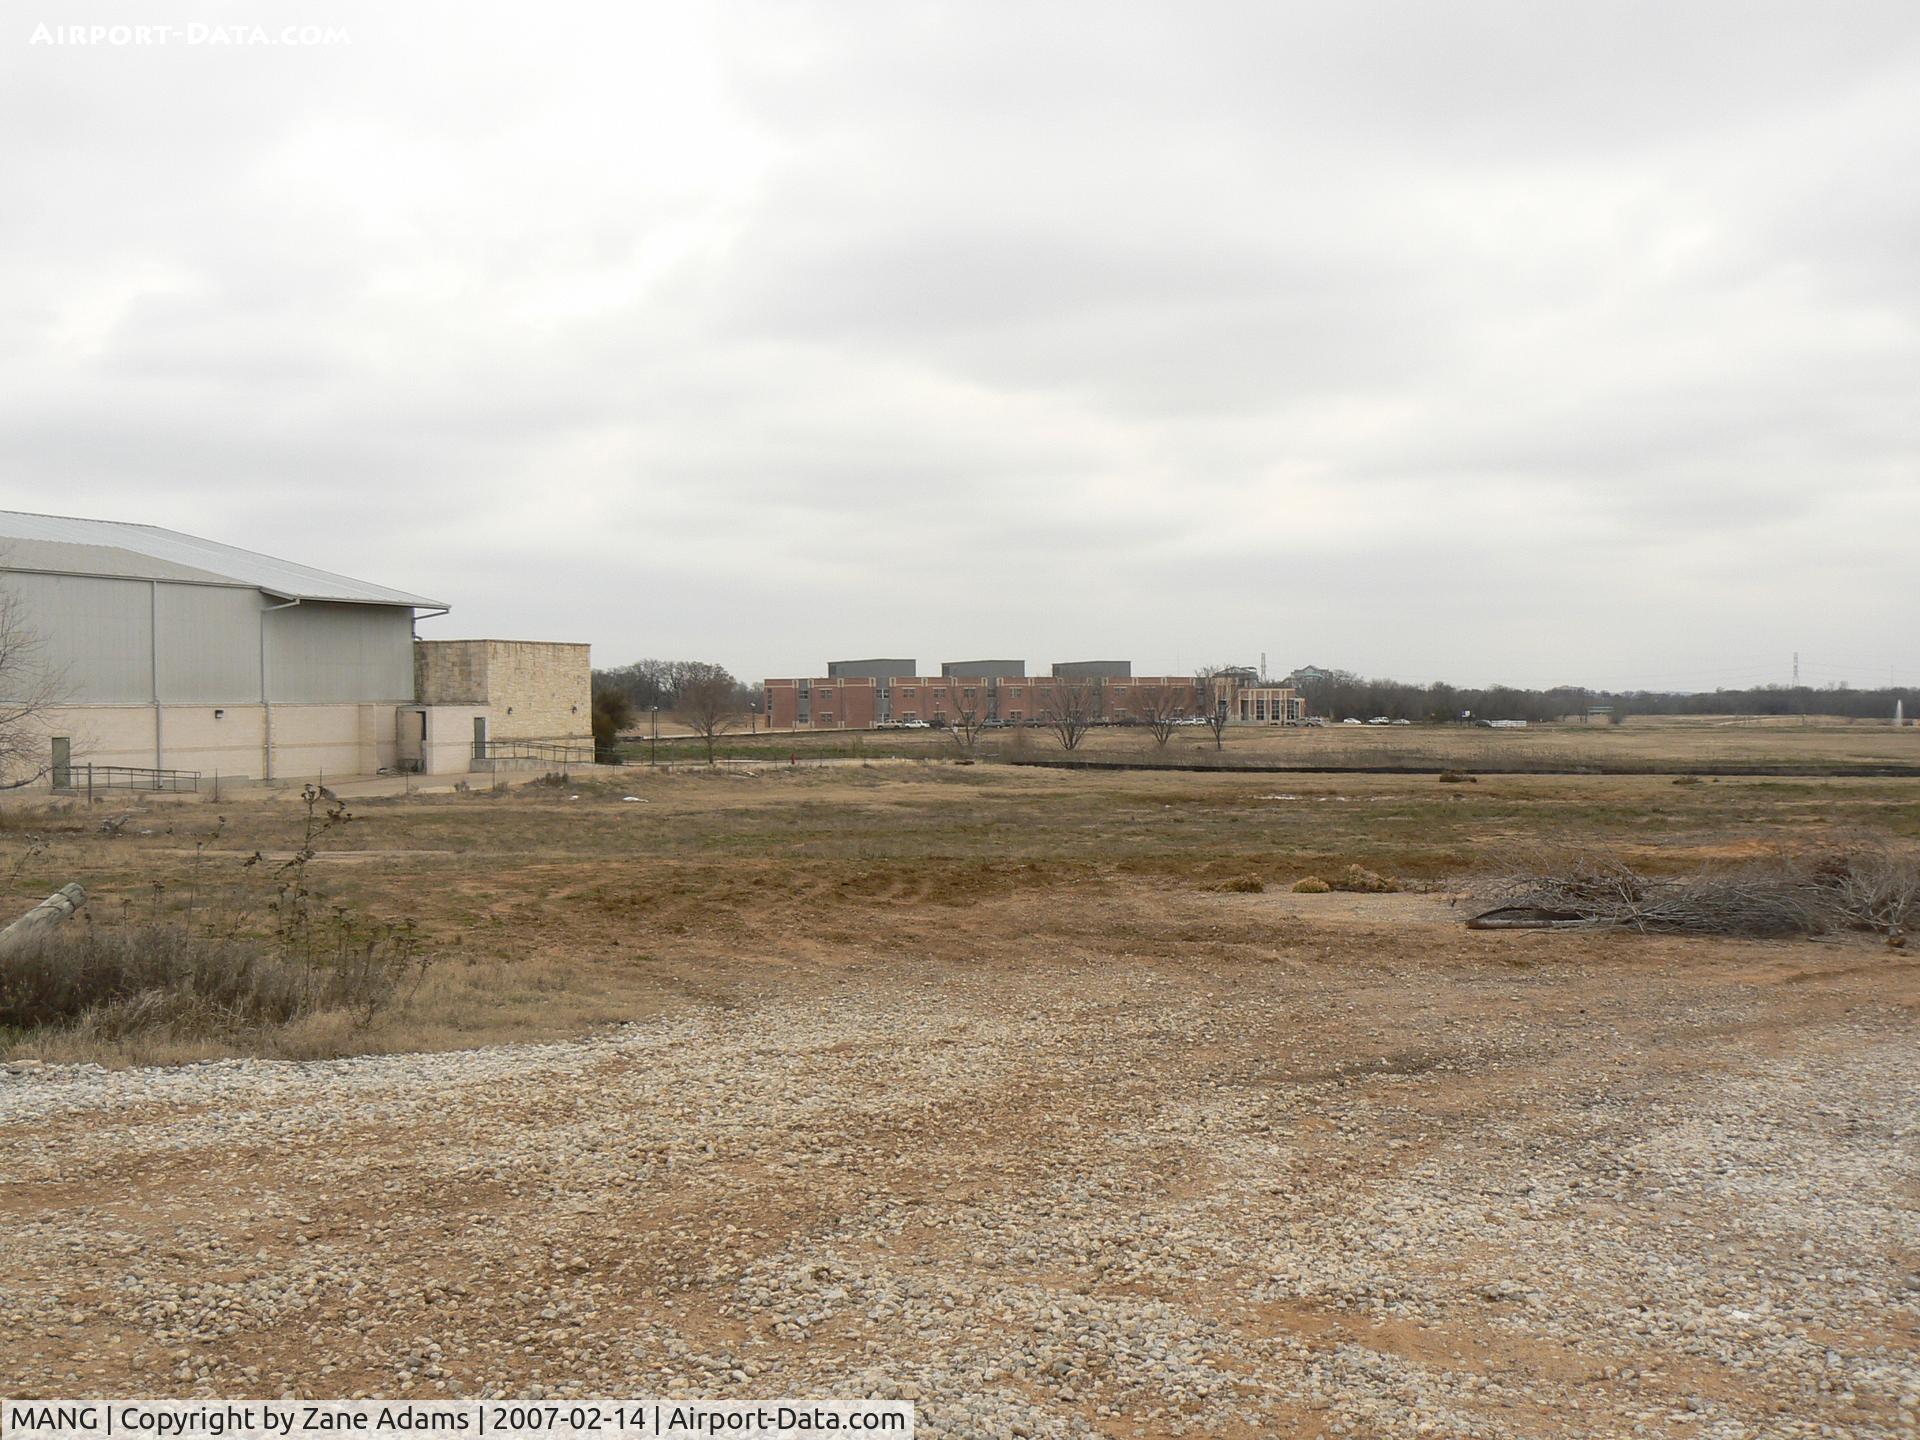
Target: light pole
653, 739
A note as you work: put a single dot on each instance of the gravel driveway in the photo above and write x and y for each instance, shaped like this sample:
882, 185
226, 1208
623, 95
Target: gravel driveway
1486, 1186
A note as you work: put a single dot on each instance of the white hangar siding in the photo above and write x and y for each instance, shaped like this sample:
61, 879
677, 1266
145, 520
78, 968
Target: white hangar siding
135, 642
117, 642
218, 679
168, 651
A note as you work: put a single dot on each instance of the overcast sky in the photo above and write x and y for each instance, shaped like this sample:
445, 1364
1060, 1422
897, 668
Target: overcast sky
1527, 342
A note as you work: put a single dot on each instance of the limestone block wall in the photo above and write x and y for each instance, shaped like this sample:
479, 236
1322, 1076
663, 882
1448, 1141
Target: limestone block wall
528, 689
540, 691
450, 672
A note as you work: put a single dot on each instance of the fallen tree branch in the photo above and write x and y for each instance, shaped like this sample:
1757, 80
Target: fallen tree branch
43, 919
1864, 887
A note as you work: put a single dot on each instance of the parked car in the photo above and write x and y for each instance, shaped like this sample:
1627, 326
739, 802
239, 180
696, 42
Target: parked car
1351, 721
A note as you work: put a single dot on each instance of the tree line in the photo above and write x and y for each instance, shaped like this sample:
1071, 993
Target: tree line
661, 684
1341, 695
699, 694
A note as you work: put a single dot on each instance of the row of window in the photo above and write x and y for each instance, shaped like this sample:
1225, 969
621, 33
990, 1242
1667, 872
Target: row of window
1258, 710
909, 692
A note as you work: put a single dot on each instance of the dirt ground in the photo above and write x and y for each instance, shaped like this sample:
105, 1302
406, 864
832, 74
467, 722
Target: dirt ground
1669, 743
983, 1089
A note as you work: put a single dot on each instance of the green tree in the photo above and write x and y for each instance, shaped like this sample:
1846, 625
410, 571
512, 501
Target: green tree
612, 713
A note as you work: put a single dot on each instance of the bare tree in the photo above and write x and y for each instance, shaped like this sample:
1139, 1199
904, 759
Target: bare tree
29, 688
709, 703
1214, 683
969, 713
1159, 708
1070, 709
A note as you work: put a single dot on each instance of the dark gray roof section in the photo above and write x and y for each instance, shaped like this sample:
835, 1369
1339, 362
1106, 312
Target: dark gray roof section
872, 669
1094, 670
66, 545
986, 669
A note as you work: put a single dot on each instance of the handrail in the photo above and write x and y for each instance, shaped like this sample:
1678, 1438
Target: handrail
553, 751
131, 777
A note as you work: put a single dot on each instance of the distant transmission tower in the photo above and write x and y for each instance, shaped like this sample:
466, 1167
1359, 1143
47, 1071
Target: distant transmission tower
1796, 669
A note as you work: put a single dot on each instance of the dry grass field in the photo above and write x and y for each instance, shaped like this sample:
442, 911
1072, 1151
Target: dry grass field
547, 910
1670, 745
1002, 1089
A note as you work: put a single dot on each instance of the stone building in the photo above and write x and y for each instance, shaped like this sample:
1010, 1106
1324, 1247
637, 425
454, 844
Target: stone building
521, 695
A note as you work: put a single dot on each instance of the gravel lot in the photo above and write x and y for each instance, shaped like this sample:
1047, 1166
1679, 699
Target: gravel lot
1388, 1179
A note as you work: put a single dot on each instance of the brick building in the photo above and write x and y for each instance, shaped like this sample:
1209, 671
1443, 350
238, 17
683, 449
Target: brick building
1001, 693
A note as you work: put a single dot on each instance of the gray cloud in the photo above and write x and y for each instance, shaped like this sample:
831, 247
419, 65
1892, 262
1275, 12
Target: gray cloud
1486, 341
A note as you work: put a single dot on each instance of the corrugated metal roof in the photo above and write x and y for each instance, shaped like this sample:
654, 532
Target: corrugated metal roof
147, 552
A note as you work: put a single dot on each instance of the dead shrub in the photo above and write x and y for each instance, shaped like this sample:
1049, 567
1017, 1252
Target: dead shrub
143, 976
267, 953
1457, 777
1312, 885
1243, 885
122, 981
1358, 880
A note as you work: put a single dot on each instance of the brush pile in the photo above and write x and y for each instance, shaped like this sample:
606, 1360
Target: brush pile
1864, 887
